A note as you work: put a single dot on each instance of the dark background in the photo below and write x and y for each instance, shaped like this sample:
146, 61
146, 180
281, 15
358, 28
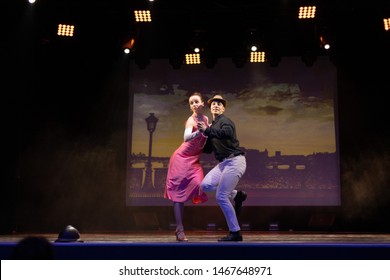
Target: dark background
65, 107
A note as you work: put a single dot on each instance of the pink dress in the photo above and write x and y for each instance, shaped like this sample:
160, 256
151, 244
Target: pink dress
185, 172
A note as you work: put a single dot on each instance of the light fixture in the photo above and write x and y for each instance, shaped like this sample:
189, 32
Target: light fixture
128, 46
65, 30
386, 23
151, 122
143, 16
196, 43
256, 57
324, 43
254, 43
192, 58
306, 12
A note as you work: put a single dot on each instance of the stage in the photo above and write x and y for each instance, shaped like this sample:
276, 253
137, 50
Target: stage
266, 245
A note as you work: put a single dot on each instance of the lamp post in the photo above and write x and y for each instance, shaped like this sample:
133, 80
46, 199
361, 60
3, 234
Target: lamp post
151, 123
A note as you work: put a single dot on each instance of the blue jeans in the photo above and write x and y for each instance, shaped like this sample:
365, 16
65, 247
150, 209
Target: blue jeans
223, 179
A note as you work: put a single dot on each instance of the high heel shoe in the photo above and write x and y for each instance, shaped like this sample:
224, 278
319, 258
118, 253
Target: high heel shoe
180, 236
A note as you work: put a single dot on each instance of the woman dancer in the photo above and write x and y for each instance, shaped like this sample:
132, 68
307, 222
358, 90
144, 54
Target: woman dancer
185, 173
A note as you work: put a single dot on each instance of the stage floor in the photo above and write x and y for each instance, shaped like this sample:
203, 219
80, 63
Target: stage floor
251, 237
204, 245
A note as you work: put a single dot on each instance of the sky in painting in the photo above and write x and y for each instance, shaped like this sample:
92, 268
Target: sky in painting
289, 108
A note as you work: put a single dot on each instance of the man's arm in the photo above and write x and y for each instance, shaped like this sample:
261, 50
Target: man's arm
225, 131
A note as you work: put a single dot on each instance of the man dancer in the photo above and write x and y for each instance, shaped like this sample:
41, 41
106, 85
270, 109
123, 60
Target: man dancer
224, 177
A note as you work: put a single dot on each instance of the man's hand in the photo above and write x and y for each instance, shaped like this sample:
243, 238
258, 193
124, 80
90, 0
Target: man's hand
201, 126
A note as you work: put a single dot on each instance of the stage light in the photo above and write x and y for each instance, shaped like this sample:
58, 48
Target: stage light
324, 43
31, 1
128, 46
65, 30
307, 12
257, 57
143, 16
69, 234
253, 42
196, 41
192, 58
386, 22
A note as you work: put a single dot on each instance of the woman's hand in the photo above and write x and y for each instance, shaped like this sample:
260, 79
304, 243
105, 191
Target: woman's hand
201, 126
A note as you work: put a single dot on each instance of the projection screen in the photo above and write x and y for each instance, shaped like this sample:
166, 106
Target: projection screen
286, 120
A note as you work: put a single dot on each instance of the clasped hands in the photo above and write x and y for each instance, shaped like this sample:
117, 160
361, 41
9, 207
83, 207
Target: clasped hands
201, 126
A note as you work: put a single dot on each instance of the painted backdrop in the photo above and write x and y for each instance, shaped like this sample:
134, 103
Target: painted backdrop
286, 122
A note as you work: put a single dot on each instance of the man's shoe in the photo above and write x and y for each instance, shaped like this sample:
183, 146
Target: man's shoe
239, 198
232, 236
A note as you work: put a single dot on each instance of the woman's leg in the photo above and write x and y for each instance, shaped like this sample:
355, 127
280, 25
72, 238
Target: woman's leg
178, 208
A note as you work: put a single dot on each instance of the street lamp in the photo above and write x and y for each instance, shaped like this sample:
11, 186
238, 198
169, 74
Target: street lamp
151, 123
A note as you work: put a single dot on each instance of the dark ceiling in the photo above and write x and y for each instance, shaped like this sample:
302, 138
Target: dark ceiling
226, 27
223, 27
